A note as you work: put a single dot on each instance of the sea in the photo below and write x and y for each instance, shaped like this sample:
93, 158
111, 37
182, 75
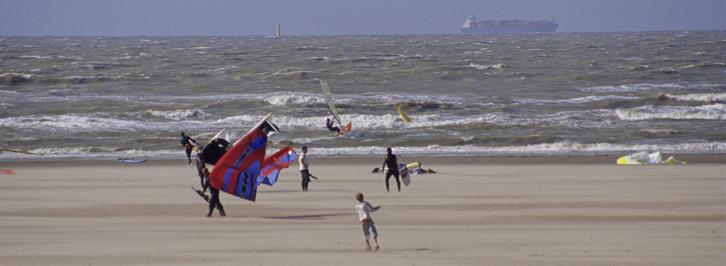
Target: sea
523, 94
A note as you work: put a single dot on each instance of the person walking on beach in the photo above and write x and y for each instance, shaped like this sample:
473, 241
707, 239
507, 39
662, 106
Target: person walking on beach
304, 171
201, 166
188, 143
214, 199
364, 215
392, 164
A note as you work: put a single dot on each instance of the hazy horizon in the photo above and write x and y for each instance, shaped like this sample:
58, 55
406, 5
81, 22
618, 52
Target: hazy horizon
328, 17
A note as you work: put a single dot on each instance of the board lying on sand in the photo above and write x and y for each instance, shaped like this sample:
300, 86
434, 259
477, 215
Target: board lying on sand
130, 160
403, 170
645, 158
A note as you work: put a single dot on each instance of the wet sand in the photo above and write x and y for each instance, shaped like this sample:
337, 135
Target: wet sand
507, 212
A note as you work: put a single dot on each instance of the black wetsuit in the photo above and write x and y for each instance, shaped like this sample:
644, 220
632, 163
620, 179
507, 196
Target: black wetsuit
215, 203
392, 165
202, 178
185, 141
329, 125
305, 179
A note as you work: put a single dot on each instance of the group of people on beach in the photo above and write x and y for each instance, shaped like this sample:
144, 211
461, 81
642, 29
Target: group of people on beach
363, 208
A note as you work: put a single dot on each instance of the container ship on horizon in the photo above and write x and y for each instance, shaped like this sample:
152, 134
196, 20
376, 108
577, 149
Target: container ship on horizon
474, 26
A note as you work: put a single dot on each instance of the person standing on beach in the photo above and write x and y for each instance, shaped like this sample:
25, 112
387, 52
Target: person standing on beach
304, 171
214, 199
188, 143
392, 164
364, 215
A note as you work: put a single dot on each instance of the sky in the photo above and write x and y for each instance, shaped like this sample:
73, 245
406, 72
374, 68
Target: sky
337, 17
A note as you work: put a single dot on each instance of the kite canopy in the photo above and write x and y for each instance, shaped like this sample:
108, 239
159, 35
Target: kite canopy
243, 167
274, 163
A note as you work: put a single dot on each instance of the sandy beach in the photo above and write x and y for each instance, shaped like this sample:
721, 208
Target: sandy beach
103, 213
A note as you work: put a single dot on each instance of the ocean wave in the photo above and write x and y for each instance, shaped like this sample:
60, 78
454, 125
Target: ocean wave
39, 57
705, 112
74, 123
180, 114
578, 100
101, 122
633, 87
283, 99
311, 48
641, 87
557, 148
15, 78
486, 67
699, 97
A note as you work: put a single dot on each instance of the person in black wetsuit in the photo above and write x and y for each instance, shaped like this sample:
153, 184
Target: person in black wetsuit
392, 165
187, 141
200, 171
329, 125
214, 199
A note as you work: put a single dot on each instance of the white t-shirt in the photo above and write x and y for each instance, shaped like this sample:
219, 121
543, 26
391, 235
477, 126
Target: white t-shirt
303, 161
364, 209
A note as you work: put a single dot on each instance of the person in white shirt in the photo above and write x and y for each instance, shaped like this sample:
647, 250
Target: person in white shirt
304, 168
364, 215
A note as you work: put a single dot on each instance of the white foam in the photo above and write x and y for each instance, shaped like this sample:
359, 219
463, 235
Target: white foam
705, 112
180, 114
99, 122
87, 123
558, 148
632, 87
40, 57
486, 67
701, 97
283, 99
578, 100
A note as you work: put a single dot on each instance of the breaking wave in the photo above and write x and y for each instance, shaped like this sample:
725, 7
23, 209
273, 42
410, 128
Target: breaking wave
179, 114
705, 112
557, 148
632, 87
578, 100
699, 97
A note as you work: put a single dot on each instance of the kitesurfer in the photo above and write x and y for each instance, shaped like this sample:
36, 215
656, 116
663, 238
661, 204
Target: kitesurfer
304, 171
364, 215
329, 125
214, 199
392, 164
188, 143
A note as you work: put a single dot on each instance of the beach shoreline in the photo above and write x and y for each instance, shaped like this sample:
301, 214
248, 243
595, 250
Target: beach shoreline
368, 159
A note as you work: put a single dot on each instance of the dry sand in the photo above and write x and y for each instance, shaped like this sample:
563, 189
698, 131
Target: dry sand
101, 213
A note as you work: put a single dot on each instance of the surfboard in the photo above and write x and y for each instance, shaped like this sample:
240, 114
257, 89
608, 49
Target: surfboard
403, 170
130, 160
402, 114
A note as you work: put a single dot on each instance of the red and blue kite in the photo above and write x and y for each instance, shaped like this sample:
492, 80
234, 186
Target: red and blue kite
244, 166
274, 163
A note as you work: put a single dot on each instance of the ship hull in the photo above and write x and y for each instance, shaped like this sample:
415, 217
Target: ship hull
510, 29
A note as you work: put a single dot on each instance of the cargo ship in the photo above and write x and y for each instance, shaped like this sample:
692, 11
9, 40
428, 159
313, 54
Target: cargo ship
474, 26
